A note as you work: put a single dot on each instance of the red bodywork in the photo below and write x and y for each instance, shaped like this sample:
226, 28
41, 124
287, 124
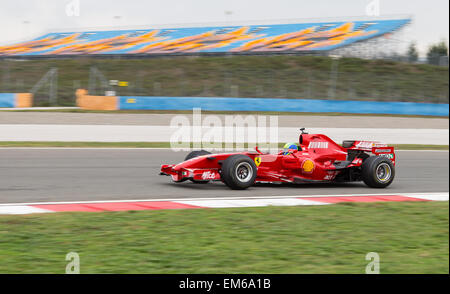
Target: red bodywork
320, 159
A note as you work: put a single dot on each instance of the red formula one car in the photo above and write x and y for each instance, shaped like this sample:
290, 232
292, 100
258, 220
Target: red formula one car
315, 158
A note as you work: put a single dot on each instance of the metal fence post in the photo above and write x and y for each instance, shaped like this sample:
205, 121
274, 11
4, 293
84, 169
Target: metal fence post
53, 98
333, 76
6, 76
50, 78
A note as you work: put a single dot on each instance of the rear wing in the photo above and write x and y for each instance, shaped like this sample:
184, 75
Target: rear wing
387, 151
363, 145
377, 148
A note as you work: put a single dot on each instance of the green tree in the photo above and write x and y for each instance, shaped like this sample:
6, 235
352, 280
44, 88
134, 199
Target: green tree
413, 56
436, 51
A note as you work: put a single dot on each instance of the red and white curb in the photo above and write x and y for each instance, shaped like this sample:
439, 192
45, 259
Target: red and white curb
226, 202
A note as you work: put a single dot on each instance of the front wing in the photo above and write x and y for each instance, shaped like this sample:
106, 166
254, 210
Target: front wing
183, 174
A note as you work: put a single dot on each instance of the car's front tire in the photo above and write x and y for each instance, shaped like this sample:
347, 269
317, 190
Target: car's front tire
377, 171
194, 154
238, 172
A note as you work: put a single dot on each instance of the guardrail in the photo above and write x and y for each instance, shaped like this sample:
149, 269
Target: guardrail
257, 104
12, 100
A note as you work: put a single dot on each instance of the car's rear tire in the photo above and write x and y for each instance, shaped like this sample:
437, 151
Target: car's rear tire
239, 172
377, 171
194, 154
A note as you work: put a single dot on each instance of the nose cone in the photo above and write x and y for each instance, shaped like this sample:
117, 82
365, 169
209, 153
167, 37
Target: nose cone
196, 162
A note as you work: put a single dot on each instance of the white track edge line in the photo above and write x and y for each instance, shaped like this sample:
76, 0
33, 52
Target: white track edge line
225, 198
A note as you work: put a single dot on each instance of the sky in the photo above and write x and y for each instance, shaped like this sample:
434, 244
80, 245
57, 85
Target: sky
26, 19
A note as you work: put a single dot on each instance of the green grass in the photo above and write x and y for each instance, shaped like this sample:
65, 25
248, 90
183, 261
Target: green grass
409, 238
167, 145
420, 147
279, 76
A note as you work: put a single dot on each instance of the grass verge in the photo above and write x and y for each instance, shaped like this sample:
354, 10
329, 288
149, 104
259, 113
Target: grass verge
284, 76
167, 145
410, 237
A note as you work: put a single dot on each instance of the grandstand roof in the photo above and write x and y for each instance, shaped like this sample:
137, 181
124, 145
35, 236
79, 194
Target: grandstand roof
300, 37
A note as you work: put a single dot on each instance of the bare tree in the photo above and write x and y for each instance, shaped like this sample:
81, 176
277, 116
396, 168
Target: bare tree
413, 56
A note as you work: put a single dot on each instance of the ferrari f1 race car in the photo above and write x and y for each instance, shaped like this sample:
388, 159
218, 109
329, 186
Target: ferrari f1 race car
315, 158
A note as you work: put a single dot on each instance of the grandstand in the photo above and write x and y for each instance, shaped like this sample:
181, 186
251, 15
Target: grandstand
250, 39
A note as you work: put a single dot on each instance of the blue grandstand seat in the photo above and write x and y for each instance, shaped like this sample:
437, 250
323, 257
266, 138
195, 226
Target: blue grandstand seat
239, 39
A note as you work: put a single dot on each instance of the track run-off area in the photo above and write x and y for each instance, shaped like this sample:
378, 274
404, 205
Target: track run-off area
36, 175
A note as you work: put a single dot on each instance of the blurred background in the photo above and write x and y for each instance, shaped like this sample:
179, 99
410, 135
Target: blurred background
89, 91
363, 50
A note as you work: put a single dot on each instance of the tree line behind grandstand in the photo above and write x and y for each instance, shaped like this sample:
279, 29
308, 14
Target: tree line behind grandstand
278, 76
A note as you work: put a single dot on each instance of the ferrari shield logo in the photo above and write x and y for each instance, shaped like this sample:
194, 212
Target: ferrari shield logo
257, 161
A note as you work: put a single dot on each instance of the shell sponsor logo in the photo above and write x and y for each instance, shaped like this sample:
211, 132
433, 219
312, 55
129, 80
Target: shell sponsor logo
308, 166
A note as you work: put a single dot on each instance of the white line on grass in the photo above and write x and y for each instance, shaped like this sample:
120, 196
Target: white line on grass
431, 194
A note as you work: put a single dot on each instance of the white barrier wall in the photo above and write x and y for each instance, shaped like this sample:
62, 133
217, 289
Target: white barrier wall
130, 133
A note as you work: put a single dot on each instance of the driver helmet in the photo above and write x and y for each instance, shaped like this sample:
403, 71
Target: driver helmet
289, 146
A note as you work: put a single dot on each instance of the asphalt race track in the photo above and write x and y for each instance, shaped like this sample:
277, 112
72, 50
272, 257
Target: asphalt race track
37, 175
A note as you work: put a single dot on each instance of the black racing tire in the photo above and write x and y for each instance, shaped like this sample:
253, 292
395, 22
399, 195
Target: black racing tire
377, 171
194, 154
239, 172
